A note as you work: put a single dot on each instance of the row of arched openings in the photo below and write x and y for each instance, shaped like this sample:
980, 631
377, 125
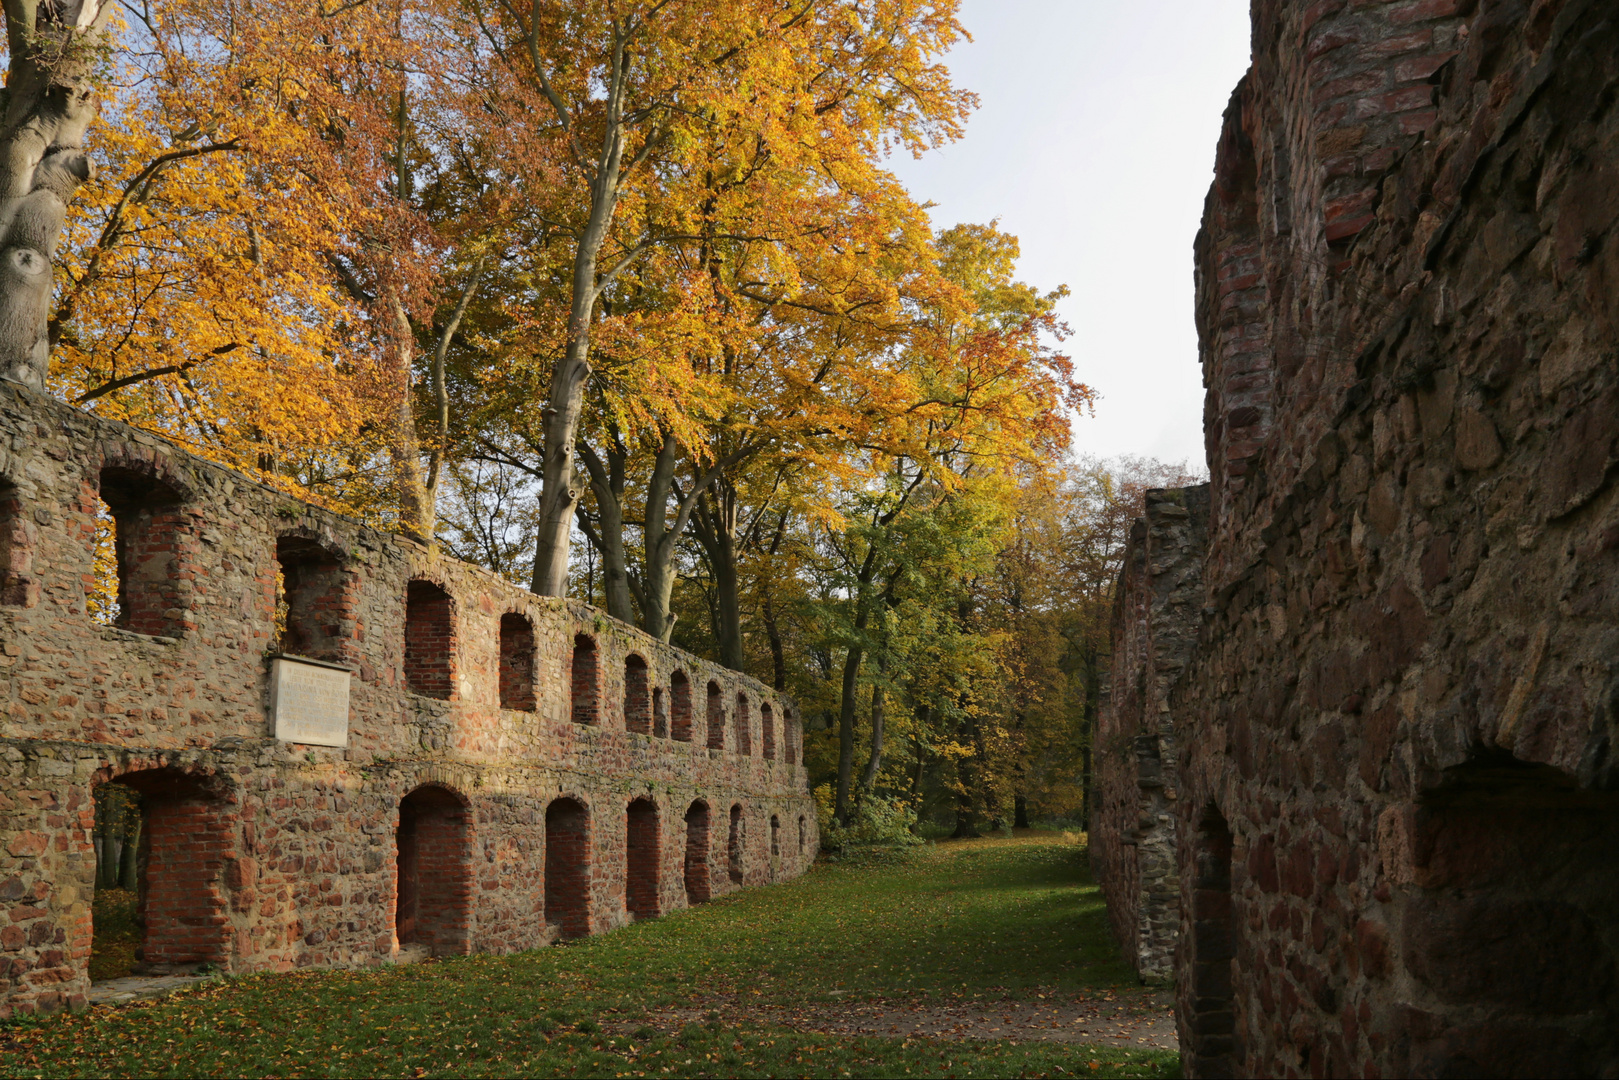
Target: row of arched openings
645, 713
435, 912
161, 837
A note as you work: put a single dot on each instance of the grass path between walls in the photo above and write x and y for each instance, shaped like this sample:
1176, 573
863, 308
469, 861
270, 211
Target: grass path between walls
971, 923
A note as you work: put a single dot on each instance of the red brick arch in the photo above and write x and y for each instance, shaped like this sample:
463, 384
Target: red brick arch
567, 867
585, 680
517, 662
642, 859
637, 695
430, 666
698, 882
433, 881
187, 839
679, 707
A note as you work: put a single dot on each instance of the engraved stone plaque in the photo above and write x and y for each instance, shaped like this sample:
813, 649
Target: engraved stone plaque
310, 701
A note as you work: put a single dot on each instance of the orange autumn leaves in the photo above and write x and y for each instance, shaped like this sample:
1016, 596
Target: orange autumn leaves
771, 280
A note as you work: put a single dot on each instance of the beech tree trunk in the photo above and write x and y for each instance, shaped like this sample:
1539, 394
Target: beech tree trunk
874, 764
48, 106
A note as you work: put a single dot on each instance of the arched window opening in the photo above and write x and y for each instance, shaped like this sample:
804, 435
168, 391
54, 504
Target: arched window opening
802, 837
1513, 925
767, 728
586, 685
775, 836
429, 641
516, 662
148, 527
716, 717
734, 845
790, 736
642, 888
160, 905
696, 863
637, 707
312, 614
433, 891
1213, 1021
567, 868
679, 707
743, 741
17, 585
660, 719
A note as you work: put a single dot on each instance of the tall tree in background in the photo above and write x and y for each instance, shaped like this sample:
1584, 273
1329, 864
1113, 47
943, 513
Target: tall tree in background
618, 103
49, 102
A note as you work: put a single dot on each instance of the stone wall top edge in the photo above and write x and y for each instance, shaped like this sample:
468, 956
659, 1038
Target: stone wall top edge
20, 405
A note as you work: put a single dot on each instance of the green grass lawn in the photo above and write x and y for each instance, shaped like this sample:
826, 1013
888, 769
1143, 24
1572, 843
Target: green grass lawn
989, 919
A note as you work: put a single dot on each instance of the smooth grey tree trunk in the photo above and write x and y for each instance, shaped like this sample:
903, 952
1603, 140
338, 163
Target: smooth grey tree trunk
48, 105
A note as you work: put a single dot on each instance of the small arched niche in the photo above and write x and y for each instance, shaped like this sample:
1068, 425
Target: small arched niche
429, 641
313, 617
516, 662
637, 696
586, 681
148, 526
679, 707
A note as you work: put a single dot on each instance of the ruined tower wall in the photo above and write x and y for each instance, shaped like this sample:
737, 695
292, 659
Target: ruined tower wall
267, 854
1156, 613
1396, 736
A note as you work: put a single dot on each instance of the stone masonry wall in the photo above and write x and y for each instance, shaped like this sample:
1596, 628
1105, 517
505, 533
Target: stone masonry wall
1397, 734
1156, 614
264, 855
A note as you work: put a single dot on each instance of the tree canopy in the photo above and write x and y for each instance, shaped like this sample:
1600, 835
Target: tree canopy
618, 298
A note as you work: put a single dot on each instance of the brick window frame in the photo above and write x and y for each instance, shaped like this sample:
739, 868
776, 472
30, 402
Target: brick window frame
319, 592
585, 681
742, 725
679, 707
153, 541
430, 666
1211, 1019
767, 729
790, 737
716, 717
637, 695
517, 662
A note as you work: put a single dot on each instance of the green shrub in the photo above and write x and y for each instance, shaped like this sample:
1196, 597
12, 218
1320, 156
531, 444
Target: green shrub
878, 820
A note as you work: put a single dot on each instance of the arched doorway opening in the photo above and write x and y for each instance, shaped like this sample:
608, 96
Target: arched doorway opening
160, 906
733, 846
641, 891
567, 868
433, 894
697, 881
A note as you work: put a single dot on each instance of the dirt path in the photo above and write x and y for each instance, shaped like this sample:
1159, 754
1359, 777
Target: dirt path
1137, 1019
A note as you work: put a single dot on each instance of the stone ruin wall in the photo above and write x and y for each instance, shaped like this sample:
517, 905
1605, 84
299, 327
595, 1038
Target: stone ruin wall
522, 776
1156, 613
1399, 800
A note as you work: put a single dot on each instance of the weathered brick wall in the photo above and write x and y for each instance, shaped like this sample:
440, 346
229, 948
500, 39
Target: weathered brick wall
264, 855
1156, 614
1399, 799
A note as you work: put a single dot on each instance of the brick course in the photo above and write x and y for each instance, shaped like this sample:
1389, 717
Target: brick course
294, 849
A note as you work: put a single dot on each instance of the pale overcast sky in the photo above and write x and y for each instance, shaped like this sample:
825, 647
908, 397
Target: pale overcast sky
1094, 144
